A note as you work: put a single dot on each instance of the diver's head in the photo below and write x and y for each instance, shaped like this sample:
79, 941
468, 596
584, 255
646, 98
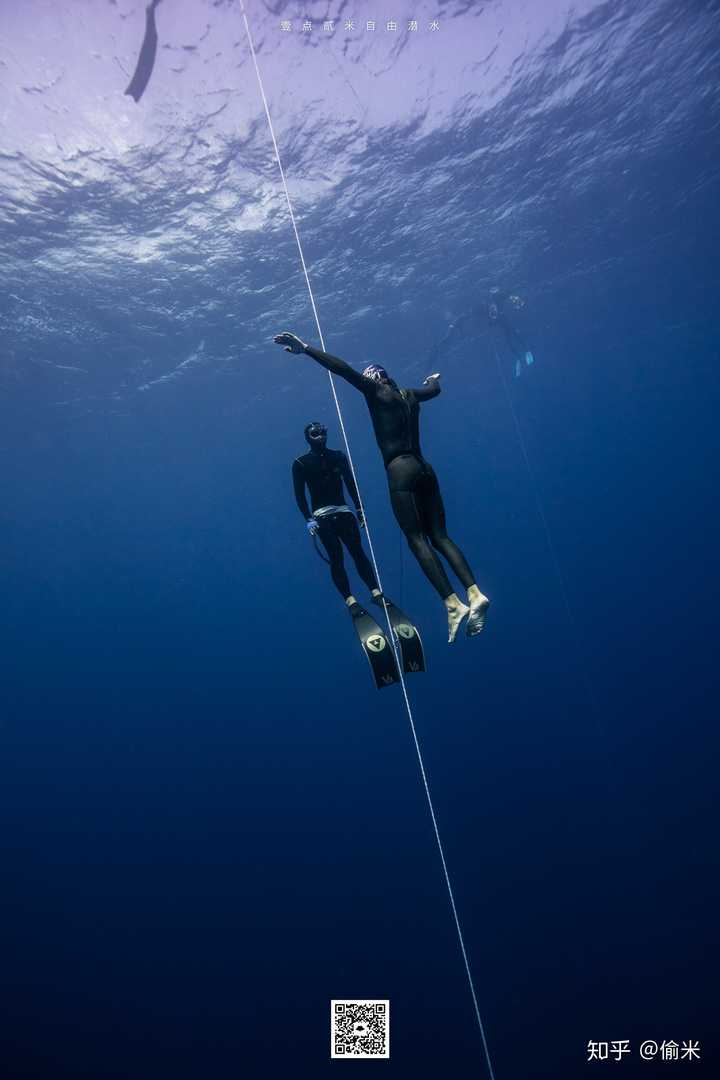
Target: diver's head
377, 374
316, 435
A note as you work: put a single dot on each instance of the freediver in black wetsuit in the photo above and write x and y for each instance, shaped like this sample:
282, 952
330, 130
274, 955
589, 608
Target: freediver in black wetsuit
496, 308
492, 312
324, 472
414, 490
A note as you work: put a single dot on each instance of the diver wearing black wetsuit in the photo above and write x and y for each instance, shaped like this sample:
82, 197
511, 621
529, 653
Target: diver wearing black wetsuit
496, 308
414, 490
492, 312
323, 472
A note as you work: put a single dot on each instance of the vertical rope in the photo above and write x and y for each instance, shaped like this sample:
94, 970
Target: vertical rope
372, 554
574, 629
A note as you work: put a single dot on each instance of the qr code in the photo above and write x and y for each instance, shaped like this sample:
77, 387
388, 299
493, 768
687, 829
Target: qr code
359, 1029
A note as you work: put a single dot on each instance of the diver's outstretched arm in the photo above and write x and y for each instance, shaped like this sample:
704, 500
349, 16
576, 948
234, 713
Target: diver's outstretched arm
339, 367
293, 344
430, 389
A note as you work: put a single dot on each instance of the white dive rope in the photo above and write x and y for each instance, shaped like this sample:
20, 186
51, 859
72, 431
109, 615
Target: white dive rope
372, 551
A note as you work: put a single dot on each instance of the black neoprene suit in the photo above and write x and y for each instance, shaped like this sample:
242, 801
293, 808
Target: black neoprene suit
477, 319
515, 341
414, 490
323, 471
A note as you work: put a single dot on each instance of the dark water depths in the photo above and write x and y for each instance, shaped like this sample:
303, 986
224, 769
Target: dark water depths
211, 824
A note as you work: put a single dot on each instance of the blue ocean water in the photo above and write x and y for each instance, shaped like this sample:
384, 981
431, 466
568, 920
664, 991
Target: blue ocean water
212, 824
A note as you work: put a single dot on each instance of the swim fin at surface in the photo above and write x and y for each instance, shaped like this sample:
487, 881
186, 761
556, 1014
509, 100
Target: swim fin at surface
146, 59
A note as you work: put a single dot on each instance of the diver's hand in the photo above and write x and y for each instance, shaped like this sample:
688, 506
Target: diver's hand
516, 301
360, 517
291, 342
312, 526
431, 378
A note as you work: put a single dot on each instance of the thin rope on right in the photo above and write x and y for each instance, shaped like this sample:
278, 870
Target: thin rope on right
589, 688
372, 555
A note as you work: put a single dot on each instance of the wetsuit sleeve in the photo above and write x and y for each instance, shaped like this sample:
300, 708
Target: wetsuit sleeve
350, 482
424, 393
339, 367
298, 474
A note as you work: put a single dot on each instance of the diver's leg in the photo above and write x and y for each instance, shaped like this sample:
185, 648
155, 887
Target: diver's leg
433, 515
402, 474
517, 345
350, 535
407, 517
332, 545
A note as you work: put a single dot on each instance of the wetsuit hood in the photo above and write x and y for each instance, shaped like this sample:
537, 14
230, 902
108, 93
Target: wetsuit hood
378, 374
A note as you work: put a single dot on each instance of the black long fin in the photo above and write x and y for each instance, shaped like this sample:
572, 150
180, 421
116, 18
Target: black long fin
378, 650
406, 634
146, 59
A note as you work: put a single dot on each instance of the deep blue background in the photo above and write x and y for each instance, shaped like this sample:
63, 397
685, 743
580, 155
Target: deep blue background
211, 823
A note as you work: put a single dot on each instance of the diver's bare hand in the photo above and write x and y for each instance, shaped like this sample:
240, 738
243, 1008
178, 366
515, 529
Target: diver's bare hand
291, 342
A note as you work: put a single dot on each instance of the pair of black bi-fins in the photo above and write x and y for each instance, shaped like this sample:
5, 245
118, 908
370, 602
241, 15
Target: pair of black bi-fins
379, 650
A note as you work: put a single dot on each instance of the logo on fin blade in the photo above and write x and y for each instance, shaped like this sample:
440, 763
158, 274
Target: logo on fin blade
376, 643
404, 630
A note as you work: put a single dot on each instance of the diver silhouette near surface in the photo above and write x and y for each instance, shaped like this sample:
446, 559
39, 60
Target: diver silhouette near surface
414, 490
492, 313
146, 57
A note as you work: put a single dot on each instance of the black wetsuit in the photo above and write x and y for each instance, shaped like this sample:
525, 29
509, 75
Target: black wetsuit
414, 490
491, 312
323, 471
494, 309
